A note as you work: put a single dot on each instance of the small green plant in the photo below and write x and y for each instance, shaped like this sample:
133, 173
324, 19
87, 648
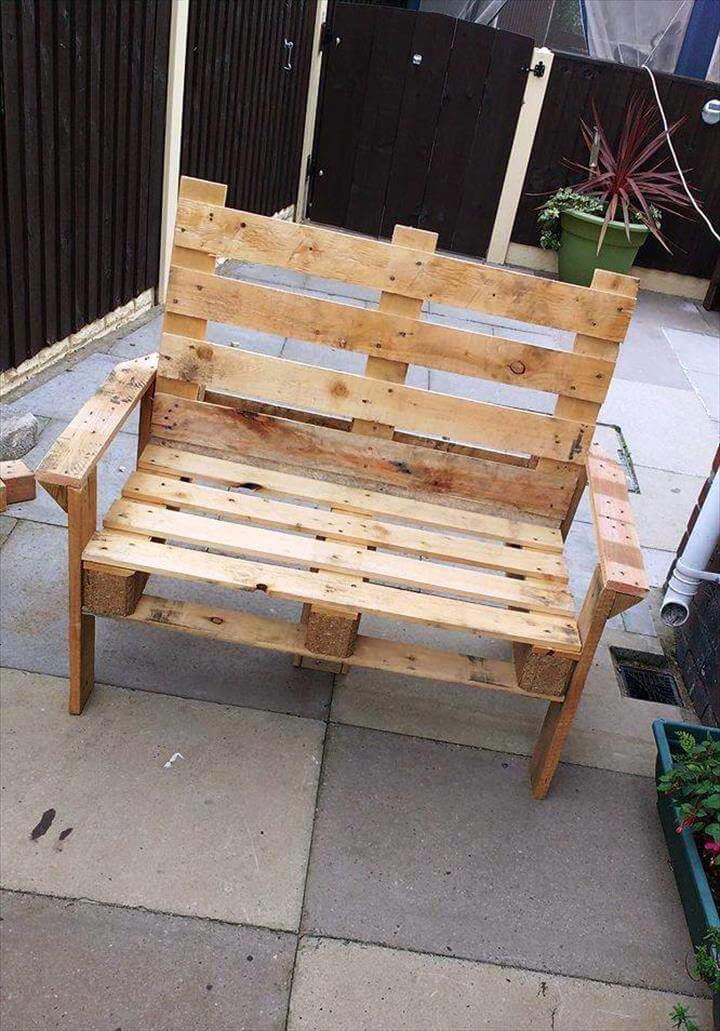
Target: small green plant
707, 969
707, 960
681, 1019
565, 199
693, 783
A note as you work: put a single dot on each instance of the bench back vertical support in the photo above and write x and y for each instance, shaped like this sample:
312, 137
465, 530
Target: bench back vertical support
184, 257
574, 408
333, 629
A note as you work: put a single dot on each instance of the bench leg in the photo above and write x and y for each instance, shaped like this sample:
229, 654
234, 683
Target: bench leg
595, 612
82, 518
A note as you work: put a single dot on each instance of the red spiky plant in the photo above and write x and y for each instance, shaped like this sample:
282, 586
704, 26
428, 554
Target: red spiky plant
625, 177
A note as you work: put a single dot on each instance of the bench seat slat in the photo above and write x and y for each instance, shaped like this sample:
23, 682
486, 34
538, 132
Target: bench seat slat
399, 570
384, 335
342, 393
220, 472
345, 527
402, 270
111, 548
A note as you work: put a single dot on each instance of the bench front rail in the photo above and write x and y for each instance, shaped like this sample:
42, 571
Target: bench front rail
352, 493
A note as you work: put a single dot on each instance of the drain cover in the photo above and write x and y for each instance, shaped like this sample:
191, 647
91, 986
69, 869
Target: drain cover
645, 676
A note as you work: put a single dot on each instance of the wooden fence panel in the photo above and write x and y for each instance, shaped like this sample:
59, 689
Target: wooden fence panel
574, 82
244, 109
81, 148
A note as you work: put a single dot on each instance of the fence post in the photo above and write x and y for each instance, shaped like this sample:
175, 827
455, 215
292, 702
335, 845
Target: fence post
311, 109
517, 165
173, 137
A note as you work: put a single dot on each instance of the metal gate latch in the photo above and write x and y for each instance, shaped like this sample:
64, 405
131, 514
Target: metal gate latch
538, 70
289, 44
417, 59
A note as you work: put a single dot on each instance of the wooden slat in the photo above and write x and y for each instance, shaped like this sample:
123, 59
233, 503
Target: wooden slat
343, 393
157, 490
382, 334
131, 552
370, 652
151, 521
81, 444
432, 474
403, 270
621, 560
350, 499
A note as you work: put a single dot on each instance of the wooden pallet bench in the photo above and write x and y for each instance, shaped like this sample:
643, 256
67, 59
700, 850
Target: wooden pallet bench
351, 493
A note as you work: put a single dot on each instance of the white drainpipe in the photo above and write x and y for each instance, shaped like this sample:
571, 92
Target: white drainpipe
690, 569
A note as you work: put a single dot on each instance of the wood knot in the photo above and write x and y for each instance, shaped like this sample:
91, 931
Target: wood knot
517, 367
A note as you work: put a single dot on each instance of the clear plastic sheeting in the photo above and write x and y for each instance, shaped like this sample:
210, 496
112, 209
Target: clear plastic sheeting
631, 31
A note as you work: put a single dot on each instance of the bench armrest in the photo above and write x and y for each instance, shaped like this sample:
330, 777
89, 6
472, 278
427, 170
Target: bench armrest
80, 446
621, 561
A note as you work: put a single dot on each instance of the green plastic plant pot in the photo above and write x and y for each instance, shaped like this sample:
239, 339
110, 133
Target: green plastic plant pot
701, 912
578, 257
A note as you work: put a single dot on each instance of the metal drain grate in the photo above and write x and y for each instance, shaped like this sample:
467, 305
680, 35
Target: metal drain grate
645, 676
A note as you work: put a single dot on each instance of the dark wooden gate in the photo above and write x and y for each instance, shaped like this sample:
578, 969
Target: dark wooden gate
245, 96
416, 120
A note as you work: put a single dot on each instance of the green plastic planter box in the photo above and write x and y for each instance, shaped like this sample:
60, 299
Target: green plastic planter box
700, 910
577, 257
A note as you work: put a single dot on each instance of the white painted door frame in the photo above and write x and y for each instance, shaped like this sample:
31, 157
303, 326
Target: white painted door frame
311, 107
517, 166
173, 138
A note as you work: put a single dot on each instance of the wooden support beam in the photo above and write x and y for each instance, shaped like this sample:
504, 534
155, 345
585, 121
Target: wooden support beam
82, 519
595, 612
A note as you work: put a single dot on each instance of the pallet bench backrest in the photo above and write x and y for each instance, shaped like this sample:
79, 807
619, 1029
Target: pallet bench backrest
407, 438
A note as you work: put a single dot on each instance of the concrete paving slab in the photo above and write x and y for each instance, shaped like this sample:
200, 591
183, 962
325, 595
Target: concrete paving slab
62, 396
707, 387
711, 320
113, 470
492, 393
70, 965
610, 731
639, 619
7, 525
143, 340
245, 339
440, 848
657, 565
696, 351
646, 357
668, 310
664, 428
223, 832
663, 506
324, 357
33, 614
347, 986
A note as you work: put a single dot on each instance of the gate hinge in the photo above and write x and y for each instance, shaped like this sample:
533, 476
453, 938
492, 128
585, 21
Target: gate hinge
538, 69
